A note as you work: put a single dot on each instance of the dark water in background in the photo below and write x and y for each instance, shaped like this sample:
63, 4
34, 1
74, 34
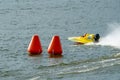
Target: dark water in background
21, 19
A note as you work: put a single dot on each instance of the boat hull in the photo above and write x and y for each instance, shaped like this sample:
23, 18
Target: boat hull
88, 38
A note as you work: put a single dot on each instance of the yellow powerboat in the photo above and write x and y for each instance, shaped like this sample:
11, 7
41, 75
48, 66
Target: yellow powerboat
86, 38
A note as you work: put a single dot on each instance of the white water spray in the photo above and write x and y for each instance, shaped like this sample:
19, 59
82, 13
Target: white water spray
113, 37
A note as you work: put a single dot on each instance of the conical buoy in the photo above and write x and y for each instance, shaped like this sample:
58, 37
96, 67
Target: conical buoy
55, 47
35, 47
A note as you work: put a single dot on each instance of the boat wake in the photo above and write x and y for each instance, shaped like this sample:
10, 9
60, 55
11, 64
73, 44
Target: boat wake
112, 38
90, 66
76, 67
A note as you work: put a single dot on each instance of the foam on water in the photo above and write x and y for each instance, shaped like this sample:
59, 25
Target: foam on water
113, 36
90, 66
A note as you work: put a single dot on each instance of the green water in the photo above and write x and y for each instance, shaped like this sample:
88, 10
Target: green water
21, 19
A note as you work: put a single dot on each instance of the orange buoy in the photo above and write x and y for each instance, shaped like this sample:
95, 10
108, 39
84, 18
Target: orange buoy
55, 47
35, 47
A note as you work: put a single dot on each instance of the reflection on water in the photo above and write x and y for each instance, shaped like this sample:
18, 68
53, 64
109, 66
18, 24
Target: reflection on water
55, 59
